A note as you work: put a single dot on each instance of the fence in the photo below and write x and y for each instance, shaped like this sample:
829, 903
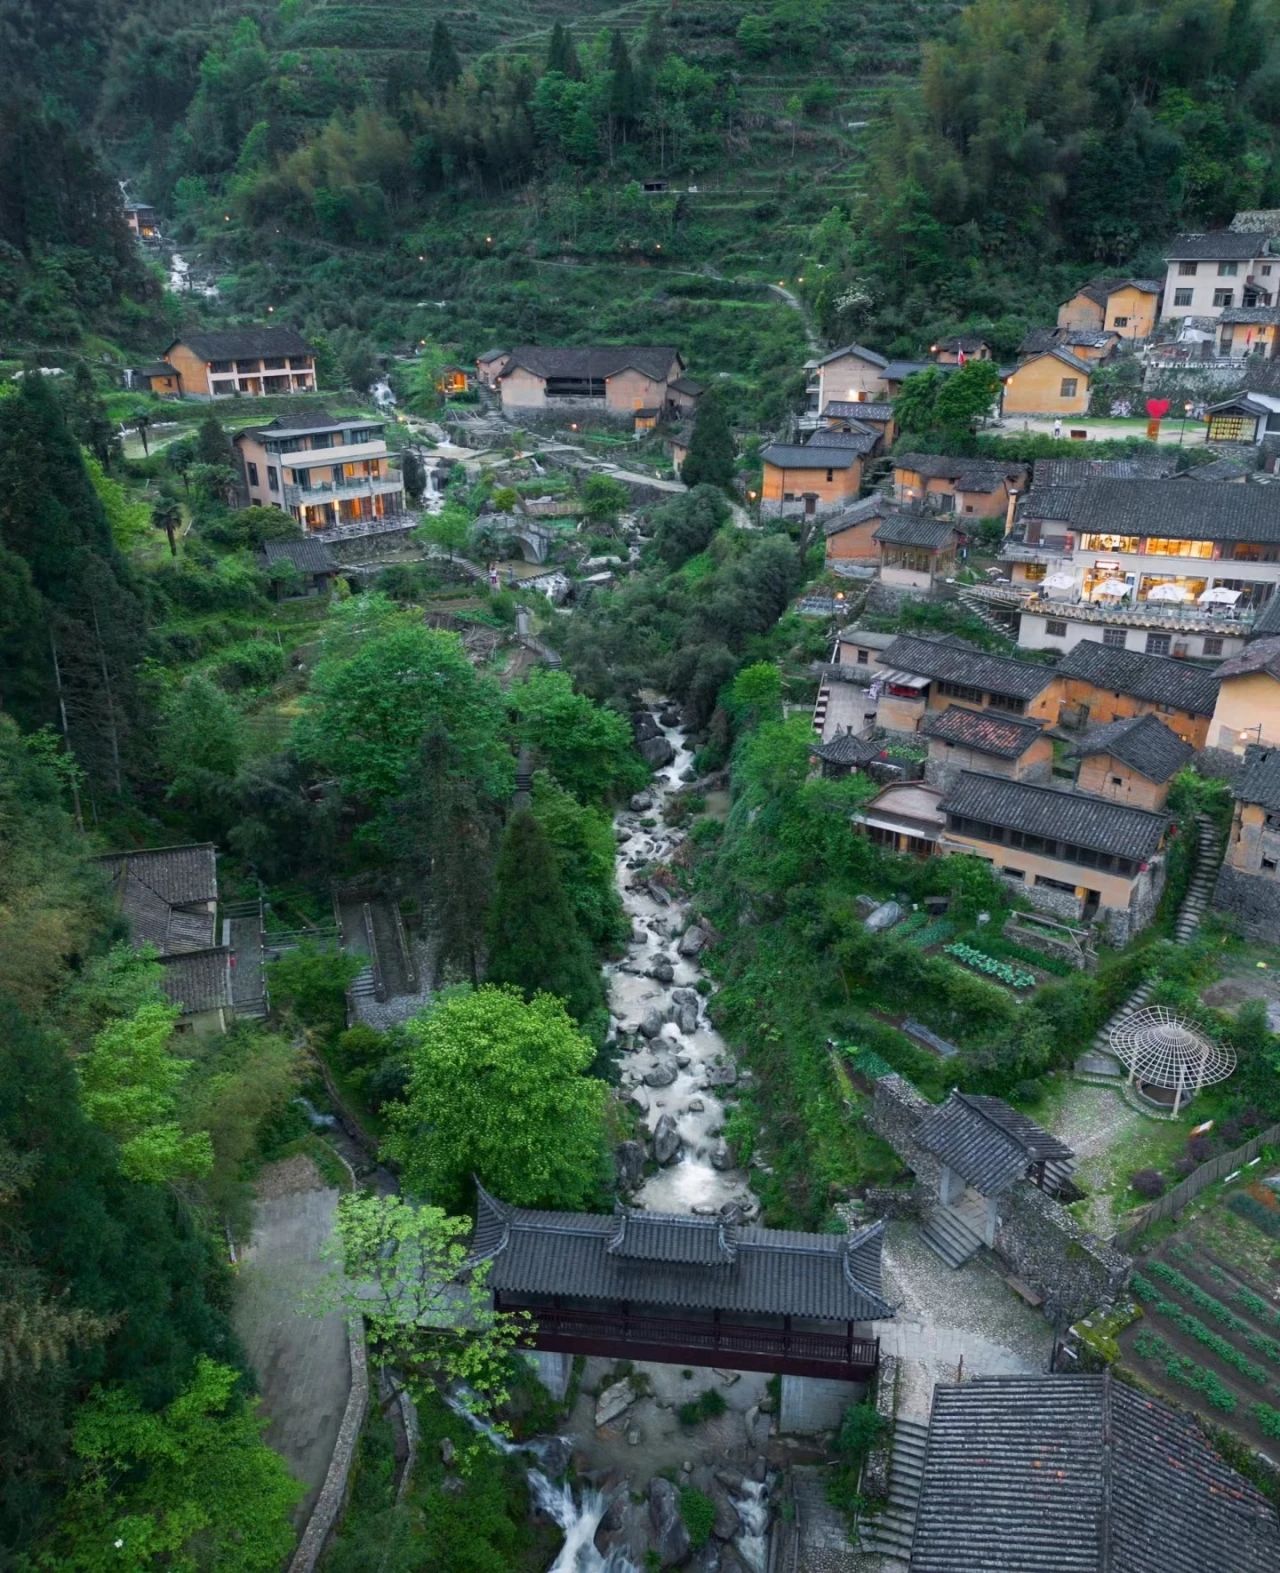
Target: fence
1185, 1192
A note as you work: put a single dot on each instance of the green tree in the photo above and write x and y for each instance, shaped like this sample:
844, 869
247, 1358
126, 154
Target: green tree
534, 939
967, 396
755, 696
603, 499
755, 37
201, 740
193, 1486
130, 1084
685, 526
585, 849
87, 417
414, 475
587, 748
443, 66
141, 422
406, 1268
128, 519
498, 1092
710, 458
561, 54
448, 529
213, 446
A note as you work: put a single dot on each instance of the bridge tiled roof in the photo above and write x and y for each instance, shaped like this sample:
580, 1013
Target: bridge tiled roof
681, 1262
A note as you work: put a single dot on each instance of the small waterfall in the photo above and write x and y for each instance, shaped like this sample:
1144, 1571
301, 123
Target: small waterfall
753, 1509
382, 395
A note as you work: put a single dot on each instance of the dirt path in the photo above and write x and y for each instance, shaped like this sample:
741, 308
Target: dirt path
300, 1359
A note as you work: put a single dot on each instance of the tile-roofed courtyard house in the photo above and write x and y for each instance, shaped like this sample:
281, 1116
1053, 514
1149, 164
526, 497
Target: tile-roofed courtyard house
1088, 344
923, 674
965, 486
1249, 880
852, 373
168, 896
1095, 682
845, 414
488, 367
610, 379
243, 362
1080, 1474
1053, 382
917, 550
1248, 704
1133, 760
329, 473
1007, 745
807, 480
1127, 306
850, 535
1071, 854
687, 1289
1209, 273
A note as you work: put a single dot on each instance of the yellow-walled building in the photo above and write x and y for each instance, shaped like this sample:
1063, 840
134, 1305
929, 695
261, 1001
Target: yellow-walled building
808, 480
1055, 382
1248, 707
1129, 307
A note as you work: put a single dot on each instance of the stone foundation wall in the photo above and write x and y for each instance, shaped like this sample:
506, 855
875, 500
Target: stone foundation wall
1057, 903
1253, 900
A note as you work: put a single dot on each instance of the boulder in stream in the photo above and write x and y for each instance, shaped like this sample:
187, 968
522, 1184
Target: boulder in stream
670, 1537
662, 1074
643, 726
628, 1158
669, 717
663, 972
692, 941
637, 1099
656, 752
642, 802
727, 1523
650, 1025
666, 1140
614, 1401
687, 1018
721, 1157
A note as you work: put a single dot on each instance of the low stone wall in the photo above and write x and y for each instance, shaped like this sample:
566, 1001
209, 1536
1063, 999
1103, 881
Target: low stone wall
1039, 1241
333, 1493
1252, 900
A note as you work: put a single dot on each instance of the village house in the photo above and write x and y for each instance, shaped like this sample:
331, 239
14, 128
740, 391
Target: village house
298, 568
326, 472
157, 377
845, 706
904, 817
959, 348
1073, 855
682, 398
452, 380
1249, 881
1247, 712
999, 744
1133, 760
981, 487
1210, 273
850, 415
917, 550
1080, 1474
242, 362
1054, 382
614, 380
851, 535
489, 367
1097, 683
926, 674
1077, 472
862, 647
142, 221
1171, 567
1245, 417
1125, 306
896, 372
1089, 344
168, 896
806, 480
1249, 331
851, 374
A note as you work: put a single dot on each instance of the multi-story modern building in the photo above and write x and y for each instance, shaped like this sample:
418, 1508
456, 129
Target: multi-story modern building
1210, 273
325, 472
248, 362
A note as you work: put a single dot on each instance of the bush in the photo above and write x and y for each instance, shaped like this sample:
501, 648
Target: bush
861, 1427
312, 982
706, 1406
256, 663
699, 1513
1148, 1182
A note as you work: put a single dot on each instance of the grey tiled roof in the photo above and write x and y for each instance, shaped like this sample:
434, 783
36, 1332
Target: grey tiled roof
1075, 362
1260, 655
856, 513
847, 748
1251, 316
683, 1262
1259, 781
1157, 679
197, 980
489, 355
244, 343
1075, 472
162, 892
685, 385
1219, 245
931, 531
987, 1143
984, 731
852, 409
858, 350
1041, 339
791, 456
900, 370
952, 660
1101, 290
1077, 818
1144, 508
969, 475
591, 360
1080, 1474
1231, 467
1143, 742
1267, 621
858, 441
970, 343
306, 555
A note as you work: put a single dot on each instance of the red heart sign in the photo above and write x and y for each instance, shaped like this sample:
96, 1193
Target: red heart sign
1157, 408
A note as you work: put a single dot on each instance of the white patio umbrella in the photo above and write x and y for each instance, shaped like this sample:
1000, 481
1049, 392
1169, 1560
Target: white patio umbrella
1221, 595
1058, 581
1168, 592
1110, 587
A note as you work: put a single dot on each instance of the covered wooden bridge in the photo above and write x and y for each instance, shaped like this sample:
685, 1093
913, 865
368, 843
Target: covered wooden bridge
687, 1290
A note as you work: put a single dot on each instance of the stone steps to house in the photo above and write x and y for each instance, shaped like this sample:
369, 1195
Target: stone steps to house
820, 709
985, 615
950, 1237
362, 984
890, 1532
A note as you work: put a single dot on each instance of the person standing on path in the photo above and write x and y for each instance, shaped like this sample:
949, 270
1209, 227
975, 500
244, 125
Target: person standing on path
1057, 426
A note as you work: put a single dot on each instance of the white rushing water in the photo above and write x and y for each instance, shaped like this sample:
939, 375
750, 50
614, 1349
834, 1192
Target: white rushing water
693, 1182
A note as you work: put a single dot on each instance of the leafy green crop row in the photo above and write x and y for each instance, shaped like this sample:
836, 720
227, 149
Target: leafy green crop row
1215, 1308
1178, 1368
1001, 971
1195, 1328
1257, 1213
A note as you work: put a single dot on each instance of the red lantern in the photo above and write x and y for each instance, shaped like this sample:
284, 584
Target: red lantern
1157, 409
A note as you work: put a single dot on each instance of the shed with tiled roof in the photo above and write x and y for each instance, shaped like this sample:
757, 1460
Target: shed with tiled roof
1139, 745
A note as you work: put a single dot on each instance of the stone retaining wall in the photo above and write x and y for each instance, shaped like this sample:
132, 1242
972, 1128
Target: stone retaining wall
1253, 900
1039, 1241
333, 1494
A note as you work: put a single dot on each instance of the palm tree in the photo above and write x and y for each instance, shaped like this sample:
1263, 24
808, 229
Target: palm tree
142, 424
167, 516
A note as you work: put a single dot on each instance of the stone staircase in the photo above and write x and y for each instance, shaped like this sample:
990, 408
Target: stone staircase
1208, 855
889, 1533
820, 708
989, 619
951, 1236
